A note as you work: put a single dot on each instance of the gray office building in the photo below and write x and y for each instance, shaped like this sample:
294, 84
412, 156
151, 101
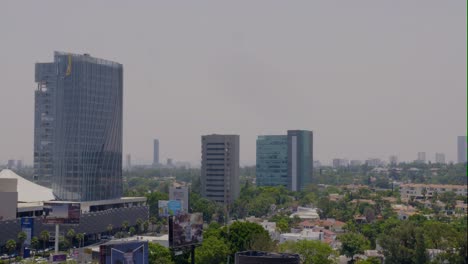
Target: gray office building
156, 152
220, 168
78, 127
461, 145
300, 159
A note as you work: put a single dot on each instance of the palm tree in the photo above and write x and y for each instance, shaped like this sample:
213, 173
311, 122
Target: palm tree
45, 238
35, 242
71, 235
80, 238
109, 229
124, 225
145, 226
139, 222
132, 231
21, 238
10, 246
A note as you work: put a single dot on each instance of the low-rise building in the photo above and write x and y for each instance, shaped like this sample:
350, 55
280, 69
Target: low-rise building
425, 191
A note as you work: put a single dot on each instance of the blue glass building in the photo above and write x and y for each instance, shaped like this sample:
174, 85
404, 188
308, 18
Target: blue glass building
285, 160
272, 160
78, 127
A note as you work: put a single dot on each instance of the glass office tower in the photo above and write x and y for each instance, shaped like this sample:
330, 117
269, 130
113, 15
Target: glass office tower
272, 160
78, 127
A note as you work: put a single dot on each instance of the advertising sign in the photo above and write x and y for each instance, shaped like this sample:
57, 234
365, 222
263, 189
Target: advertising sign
174, 207
180, 194
124, 252
185, 230
27, 226
163, 211
58, 258
61, 213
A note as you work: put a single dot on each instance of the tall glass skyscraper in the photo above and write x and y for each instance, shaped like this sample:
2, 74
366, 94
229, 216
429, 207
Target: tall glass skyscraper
78, 127
272, 160
285, 160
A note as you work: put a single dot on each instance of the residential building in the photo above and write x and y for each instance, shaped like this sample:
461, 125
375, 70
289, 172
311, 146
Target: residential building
156, 152
355, 163
129, 162
393, 160
421, 191
440, 158
272, 160
78, 127
220, 168
421, 157
300, 159
461, 145
373, 162
337, 163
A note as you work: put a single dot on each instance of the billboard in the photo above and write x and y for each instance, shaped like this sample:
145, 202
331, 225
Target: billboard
174, 207
185, 230
27, 226
180, 194
58, 258
163, 211
61, 213
124, 252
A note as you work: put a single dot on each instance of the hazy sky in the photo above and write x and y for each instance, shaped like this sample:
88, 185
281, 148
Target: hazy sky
370, 78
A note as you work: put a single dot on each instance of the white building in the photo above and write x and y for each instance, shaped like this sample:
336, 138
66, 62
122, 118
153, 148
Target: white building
306, 213
305, 234
421, 191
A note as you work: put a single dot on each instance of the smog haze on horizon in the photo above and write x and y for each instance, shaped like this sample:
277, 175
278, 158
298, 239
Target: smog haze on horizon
371, 79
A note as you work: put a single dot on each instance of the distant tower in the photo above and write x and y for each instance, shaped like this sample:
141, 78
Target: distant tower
440, 158
393, 160
129, 162
461, 144
421, 157
11, 164
156, 152
220, 168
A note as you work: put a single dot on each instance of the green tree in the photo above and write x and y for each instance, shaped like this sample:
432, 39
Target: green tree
21, 238
80, 238
159, 254
109, 229
145, 226
125, 225
139, 225
45, 238
10, 246
153, 199
35, 243
132, 230
311, 251
70, 235
212, 251
244, 235
353, 243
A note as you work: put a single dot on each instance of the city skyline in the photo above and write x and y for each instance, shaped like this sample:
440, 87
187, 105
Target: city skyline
370, 84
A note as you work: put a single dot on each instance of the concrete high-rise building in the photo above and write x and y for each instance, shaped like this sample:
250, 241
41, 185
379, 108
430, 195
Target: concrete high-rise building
354, 163
440, 158
156, 152
220, 168
11, 164
300, 159
421, 157
78, 127
272, 160
129, 162
461, 146
336, 163
393, 160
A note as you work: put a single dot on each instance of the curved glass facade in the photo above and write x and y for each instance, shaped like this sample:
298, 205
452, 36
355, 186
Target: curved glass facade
78, 127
